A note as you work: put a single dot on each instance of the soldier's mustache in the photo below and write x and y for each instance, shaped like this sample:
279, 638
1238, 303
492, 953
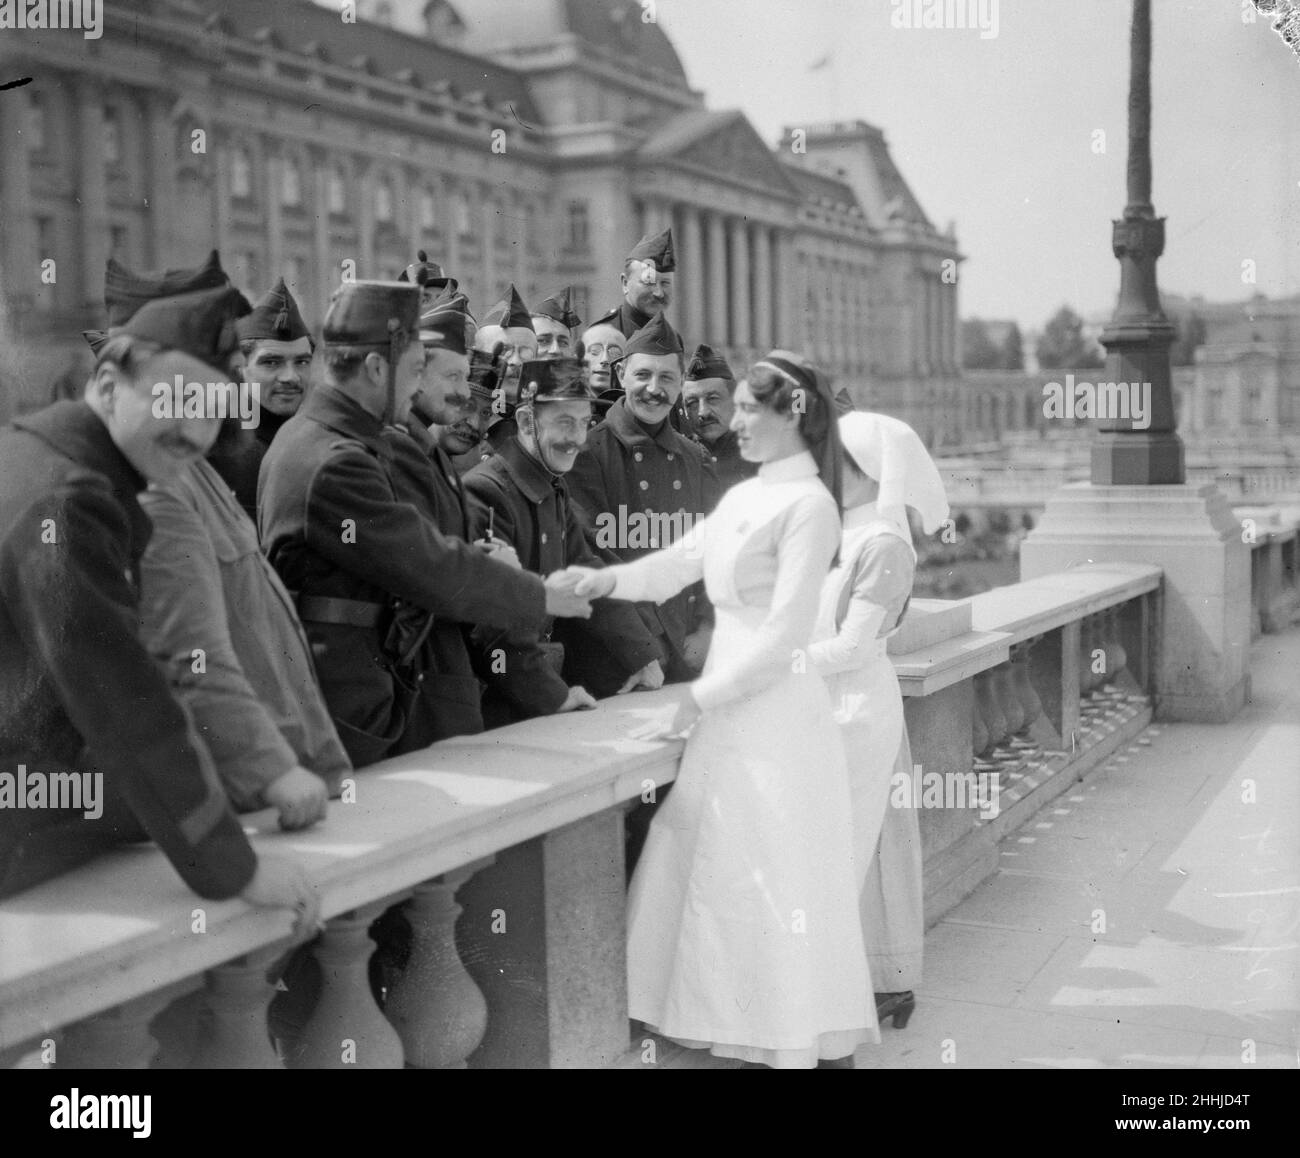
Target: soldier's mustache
653, 396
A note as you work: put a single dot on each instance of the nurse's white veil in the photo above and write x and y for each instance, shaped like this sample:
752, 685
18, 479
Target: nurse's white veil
893, 454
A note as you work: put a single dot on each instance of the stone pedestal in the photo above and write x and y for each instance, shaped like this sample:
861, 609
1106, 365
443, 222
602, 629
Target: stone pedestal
543, 933
1202, 661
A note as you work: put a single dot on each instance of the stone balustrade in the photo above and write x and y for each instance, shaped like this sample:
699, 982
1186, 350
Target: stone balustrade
1274, 539
490, 868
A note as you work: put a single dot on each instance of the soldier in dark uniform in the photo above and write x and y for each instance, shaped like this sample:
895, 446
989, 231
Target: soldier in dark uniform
638, 478
647, 284
519, 496
79, 694
554, 321
508, 325
707, 405
277, 348
369, 567
450, 693
431, 279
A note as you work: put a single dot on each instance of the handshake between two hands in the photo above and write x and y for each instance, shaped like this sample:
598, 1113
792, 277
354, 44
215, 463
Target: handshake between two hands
570, 592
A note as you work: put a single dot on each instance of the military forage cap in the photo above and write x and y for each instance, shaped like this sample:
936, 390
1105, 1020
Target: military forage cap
369, 313
125, 291
559, 308
555, 380
706, 362
448, 324
201, 324
275, 316
655, 337
509, 312
657, 248
427, 274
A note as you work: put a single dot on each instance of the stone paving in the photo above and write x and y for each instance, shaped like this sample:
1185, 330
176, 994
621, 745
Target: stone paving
1149, 917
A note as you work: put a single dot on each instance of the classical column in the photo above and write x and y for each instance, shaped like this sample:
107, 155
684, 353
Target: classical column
488, 241
452, 230
274, 229
690, 276
160, 176
740, 289
786, 288
763, 288
17, 224
365, 221
325, 277
718, 333
92, 189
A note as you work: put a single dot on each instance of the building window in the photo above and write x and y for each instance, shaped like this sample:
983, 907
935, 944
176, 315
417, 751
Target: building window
579, 226
294, 274
384, 201
117, 241
291, 185
112, 137
241, 173
243, 271
428, 210
337, 191
36, 124
460, 212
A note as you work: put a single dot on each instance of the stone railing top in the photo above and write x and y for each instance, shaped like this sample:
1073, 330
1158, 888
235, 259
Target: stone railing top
122, 925
1031, 607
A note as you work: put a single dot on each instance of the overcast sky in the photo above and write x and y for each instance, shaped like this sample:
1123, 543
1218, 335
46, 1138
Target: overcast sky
996, 133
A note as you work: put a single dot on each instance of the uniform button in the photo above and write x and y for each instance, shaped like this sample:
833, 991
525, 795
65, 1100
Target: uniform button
420, 678
638, 456
670, 458
645, 486
543, 536
677, 484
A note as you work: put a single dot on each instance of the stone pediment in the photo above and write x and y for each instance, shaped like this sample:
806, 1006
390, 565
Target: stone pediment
722, 144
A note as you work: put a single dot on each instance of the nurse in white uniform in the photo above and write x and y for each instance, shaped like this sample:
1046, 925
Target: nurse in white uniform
744, 935
886, 470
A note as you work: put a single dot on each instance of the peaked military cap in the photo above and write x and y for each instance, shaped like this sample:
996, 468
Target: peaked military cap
555, 380
371, 313
448, 324
708, 363
201, 324
427, 274
658, 248
274, 316
559, 308
655, 337
125, 291
510, 312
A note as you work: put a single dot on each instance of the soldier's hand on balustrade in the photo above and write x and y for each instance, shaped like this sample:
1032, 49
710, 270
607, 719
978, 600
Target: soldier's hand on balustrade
562, 599
281, 883
300, 797
577, 699
649, 677
680, 726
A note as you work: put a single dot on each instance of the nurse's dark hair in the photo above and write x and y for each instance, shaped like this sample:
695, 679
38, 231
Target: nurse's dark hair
782, 379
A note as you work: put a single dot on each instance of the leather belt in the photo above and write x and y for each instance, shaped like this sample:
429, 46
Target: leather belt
351, 612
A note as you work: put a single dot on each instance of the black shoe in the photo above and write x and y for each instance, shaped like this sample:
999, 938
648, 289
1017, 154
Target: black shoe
836, 1063
899, 1006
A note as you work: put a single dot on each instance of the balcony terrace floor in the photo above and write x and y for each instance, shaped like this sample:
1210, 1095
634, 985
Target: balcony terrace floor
1147, 918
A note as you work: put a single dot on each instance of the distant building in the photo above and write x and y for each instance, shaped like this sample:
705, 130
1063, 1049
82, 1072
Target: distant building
516, 142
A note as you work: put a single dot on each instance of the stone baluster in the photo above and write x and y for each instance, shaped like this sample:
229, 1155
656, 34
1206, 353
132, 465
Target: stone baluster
1088, 643
995, 722
979, 733
1030, 735
347, 1029
238, 995
437, 1010
117, 1039
1116, 656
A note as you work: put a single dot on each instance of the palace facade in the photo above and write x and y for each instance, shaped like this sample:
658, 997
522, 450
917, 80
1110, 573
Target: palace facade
527, 143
